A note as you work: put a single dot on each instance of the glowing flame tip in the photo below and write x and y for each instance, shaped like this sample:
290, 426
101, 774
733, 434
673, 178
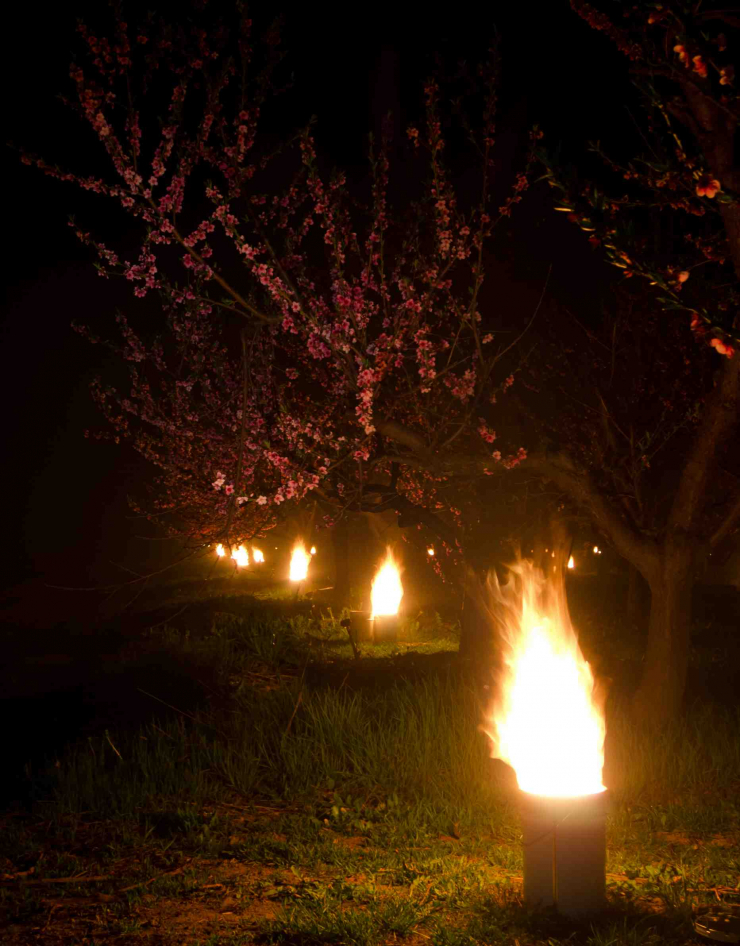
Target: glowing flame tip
387, 590
299, 562
547, 721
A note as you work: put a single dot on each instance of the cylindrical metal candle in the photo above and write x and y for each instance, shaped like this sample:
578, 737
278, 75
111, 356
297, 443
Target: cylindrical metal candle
361, 625
386, 628
565, 852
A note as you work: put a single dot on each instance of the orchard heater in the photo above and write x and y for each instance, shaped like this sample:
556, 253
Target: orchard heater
564, 841
547, 722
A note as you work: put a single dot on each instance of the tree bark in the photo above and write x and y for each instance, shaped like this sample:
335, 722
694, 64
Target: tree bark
477, 652
660, 694
638, 596
342, 577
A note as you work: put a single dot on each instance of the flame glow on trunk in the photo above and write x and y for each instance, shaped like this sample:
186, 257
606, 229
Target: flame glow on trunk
220, 550
387, 590
257, 555
547, 720
299, 562
241, 556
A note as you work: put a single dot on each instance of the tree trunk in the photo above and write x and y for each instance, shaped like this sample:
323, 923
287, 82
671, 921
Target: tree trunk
638, 596
342, 577
477, 651
660, 694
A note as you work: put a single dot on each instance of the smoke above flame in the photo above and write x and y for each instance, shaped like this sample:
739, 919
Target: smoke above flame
547, 717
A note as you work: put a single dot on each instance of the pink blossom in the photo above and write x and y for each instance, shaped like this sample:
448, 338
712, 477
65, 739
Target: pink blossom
722, 348
707, 186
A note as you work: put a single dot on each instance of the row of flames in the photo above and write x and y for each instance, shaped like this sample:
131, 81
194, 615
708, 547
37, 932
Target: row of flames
241, 556
386, 592
547, 717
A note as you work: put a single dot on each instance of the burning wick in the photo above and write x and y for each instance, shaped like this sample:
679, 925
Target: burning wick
387, 590
299, 562
257, 556
241, 556
430, 552
220, 550
571, 563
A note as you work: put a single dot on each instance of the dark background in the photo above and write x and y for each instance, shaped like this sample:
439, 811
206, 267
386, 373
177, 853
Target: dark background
66, 516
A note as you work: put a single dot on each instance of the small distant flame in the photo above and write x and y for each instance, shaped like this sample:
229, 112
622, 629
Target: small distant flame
241, 556
299, 562
571, 563
220, 550
430, 552
387, 590
547, 720
313, 550
257, 555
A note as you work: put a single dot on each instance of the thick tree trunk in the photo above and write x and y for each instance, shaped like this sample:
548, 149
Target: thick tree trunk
638, 596
660, 694
342, 577
477, 651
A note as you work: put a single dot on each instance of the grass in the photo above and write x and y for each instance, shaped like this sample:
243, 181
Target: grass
317, 799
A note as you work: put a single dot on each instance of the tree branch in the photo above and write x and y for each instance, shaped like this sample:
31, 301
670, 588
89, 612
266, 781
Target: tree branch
578, 484
393, 500
719, 420
400, 434
727, 525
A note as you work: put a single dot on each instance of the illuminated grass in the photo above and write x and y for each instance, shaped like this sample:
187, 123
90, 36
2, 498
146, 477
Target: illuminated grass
360, 808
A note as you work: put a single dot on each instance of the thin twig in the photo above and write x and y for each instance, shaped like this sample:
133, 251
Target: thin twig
145, 883
295, 710
183, 713
79, 879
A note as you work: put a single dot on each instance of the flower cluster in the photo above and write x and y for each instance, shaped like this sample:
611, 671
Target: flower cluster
306, 344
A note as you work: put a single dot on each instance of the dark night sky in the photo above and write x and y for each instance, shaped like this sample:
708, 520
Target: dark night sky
65, 496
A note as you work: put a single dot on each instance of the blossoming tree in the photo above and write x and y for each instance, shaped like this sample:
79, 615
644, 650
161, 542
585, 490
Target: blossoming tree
677, 229
318, 342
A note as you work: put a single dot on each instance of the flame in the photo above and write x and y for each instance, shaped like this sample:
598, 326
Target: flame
241, 556
387, 590
257, 555
571, 563
220, 550
299, 562
313, 550
547, 721
430, 552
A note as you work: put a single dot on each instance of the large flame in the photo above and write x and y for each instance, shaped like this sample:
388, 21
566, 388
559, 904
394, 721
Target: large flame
387, 590
299, 562
547, 721
257, 555
241, 556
